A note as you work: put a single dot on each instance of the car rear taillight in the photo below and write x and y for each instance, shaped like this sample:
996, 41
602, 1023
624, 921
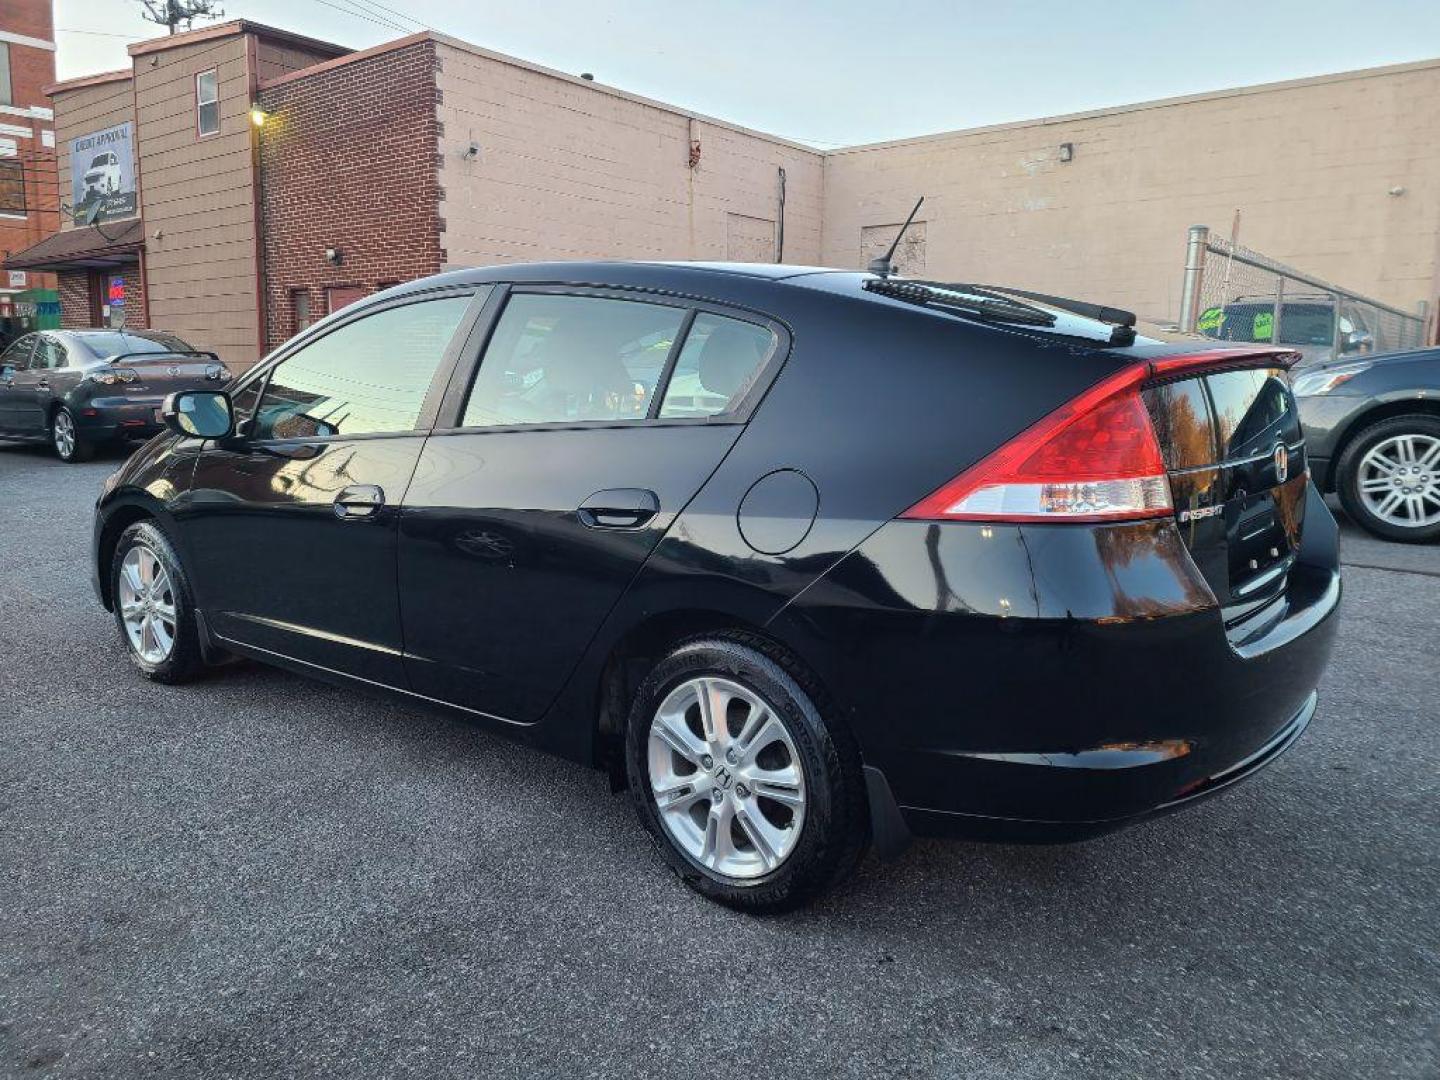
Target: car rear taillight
1096, 458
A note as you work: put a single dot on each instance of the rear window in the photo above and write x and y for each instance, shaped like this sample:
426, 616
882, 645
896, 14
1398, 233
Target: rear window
117, 344
1253, 410
1222, 417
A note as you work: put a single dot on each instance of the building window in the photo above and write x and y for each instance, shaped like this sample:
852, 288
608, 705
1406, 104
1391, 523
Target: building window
207, 102
12, 186
7, 94
300, 304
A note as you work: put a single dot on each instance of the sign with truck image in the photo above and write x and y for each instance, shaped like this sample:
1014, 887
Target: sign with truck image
102, 175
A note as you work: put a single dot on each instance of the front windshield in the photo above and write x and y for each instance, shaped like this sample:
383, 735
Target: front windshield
1300, 324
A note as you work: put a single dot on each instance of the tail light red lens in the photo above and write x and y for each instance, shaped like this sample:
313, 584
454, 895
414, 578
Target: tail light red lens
1096, 458
1093, 459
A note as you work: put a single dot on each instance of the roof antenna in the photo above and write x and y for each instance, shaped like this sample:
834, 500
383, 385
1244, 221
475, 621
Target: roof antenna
882, 265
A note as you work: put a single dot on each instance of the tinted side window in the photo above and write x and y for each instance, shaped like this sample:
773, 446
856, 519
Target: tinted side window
1181, 415
17, 356
718, 364
367, 377
1253, 409
49, 355
557, 359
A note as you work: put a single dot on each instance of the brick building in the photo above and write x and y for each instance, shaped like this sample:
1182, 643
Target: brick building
28, 209
372, 167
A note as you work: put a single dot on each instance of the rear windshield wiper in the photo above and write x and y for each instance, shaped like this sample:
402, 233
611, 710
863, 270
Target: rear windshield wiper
1121, 321
971, 301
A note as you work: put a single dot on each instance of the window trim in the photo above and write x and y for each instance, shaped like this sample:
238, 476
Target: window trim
452, 409
24, 210
200, 131
479, 293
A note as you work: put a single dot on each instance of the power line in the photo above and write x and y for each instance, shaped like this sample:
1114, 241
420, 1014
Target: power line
357, 15
392, 11
99, 33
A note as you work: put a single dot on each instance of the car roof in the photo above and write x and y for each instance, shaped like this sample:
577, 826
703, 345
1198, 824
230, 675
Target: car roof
742, 280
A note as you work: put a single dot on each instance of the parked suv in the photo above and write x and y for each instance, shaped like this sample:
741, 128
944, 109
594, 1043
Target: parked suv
103, 176
1312, 325
804, 559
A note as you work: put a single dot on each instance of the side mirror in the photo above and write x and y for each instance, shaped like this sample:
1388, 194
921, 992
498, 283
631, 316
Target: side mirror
200, 414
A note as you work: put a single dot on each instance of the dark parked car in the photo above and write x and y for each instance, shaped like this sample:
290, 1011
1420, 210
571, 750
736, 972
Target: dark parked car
804, 558
77, 388
1372, 428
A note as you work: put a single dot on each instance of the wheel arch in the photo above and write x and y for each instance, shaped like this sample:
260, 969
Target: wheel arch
119, 517
635, 653
1384, 410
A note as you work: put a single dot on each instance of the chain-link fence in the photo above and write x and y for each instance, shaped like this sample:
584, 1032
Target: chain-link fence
1235, 294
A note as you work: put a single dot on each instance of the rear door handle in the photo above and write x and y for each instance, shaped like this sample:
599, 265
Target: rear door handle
619, 508
359, 501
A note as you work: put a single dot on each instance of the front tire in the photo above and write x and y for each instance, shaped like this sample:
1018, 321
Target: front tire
65, 437
154, 606
753, 797
1388, 478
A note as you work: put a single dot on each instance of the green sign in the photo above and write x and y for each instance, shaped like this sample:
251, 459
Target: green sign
1211, 319
1264, 326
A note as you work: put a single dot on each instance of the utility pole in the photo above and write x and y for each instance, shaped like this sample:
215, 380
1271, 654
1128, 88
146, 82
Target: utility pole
171, 14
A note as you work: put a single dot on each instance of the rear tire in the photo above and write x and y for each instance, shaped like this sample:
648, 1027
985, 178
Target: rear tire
154, 607
758, 818
1388, 478
65, 438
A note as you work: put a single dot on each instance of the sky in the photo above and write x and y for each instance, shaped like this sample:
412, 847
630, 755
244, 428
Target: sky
848, 72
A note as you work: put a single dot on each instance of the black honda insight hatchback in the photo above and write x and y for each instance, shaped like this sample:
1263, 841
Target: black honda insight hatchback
807, 559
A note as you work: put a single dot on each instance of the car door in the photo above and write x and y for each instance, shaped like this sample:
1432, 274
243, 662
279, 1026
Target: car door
291, 525
13, 362
33, 390
592, 419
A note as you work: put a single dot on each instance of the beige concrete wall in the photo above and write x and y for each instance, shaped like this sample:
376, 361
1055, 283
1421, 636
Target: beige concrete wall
568, 169
197, 194
1308, 163
79, 112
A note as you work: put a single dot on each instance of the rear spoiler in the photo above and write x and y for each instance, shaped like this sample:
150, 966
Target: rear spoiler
152, 355
1221, 360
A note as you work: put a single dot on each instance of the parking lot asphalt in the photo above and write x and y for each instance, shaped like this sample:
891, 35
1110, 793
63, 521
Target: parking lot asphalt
262, 876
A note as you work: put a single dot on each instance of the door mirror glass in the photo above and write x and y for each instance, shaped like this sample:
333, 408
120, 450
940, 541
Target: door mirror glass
201, 414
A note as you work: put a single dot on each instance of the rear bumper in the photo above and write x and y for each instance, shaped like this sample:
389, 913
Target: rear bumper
1050, 683
920, 821
105, 418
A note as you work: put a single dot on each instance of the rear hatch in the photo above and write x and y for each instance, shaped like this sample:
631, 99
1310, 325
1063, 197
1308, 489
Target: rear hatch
1235, 455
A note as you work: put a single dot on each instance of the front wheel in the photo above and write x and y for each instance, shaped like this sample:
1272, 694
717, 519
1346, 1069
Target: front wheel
754, 799
1388, 478
154, 607
69, 446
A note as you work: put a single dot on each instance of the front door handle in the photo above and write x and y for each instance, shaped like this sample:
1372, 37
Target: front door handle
42, 385
359, 501
619, 508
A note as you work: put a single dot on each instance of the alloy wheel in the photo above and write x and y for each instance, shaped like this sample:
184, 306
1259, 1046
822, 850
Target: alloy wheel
726, 778
64, 432
1399, 480
147, 604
